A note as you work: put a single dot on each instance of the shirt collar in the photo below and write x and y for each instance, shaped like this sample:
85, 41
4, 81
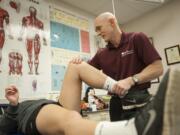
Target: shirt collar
124, 39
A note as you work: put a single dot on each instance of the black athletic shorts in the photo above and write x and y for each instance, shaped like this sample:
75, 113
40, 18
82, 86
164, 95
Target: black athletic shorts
31, 128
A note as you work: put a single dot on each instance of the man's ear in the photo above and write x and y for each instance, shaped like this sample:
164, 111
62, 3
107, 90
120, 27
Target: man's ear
112, 22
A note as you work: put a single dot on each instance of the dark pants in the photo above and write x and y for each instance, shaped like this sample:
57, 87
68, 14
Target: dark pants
116, 110
31, 128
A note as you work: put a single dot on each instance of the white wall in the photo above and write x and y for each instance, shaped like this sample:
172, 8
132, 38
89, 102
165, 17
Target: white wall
163, 24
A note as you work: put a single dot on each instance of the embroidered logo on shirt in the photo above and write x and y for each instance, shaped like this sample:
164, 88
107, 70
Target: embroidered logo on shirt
127, 52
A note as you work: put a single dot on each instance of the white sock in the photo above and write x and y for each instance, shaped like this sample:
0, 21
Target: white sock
116, 128
109, 83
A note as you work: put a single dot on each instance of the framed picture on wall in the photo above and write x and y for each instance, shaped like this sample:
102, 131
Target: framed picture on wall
172, 54
157, 79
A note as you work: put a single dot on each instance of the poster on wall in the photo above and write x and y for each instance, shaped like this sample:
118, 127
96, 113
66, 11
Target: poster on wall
63, 36
85, 45
25, 47
69, 31
58, 72
60, 60
69, 39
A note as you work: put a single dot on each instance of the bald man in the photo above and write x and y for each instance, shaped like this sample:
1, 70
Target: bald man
133, 58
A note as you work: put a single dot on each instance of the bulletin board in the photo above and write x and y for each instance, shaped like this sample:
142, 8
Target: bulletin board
69, 39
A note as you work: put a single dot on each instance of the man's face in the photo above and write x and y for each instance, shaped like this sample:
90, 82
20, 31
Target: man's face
103, 29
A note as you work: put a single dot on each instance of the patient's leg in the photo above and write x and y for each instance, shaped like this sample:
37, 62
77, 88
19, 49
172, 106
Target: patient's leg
55, 120
71, 89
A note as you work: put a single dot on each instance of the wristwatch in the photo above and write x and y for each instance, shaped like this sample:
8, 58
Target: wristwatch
135, 79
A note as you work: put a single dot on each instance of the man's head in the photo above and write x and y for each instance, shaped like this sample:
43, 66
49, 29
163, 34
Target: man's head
106, 26
32, 11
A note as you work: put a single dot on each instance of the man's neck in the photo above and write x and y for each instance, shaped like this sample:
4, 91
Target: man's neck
117, 38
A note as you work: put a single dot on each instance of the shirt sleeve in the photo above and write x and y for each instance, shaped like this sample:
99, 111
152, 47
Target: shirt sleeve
8, 123
95, 60
145, 50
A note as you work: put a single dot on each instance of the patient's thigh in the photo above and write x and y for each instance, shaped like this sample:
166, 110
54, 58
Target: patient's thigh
51, 120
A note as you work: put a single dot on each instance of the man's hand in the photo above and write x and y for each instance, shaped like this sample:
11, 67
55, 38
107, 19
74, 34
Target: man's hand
76, 60
121, 87
12, 95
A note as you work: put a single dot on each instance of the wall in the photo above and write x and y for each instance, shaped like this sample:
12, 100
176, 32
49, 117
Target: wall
163, 24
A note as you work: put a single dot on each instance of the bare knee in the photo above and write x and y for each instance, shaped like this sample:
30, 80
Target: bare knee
77, 67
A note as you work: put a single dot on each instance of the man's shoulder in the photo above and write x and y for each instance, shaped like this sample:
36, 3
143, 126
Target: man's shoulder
137, 34
133, 34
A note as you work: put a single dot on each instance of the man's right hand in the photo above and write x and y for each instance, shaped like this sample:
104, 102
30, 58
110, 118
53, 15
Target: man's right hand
12, 95
76, 60
122, 86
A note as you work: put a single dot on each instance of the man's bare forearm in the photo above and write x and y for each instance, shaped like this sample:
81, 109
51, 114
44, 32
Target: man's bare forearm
151, 72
